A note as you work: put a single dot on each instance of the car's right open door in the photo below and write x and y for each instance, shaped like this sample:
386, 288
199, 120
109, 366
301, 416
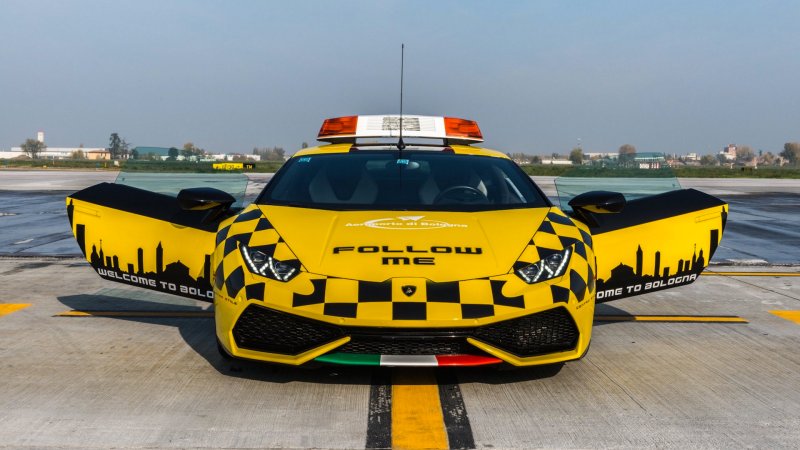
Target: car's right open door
655, 242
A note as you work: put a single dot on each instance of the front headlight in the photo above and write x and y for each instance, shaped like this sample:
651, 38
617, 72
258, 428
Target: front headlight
547, 268
262, 264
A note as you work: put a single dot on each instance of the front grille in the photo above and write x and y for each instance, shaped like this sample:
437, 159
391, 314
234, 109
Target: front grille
407, 346
537, 334
265, 330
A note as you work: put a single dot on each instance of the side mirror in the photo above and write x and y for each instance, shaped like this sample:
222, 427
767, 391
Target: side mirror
596, 202
204, 198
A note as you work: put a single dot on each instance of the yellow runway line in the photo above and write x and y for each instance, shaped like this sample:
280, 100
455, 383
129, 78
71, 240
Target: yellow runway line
794, 316
8, 308
417, 420
169, 314
752, 274
701, 319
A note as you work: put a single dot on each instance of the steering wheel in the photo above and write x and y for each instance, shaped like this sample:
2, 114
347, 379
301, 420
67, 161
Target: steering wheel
461, 194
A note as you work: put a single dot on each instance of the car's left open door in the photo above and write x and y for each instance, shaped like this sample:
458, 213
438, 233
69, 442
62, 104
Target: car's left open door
144, 239
656, 242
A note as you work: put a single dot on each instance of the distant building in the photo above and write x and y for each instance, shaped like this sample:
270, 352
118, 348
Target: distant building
556, 162
649, 160
100, 153
729, 152
230, 157
158, 152
59, 153
601, 155
161, 153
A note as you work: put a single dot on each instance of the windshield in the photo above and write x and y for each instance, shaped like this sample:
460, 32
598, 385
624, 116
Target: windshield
408, 180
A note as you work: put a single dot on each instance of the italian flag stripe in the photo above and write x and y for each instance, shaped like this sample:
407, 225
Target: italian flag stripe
350, 359
467, 360
407, 360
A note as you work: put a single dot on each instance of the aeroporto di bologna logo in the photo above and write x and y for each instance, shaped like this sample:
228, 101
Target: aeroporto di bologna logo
406, 223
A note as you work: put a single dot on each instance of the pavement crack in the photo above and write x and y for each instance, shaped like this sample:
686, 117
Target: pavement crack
621, 387
762, 287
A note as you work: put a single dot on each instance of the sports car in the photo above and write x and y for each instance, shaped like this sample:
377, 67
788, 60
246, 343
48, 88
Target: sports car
371, 250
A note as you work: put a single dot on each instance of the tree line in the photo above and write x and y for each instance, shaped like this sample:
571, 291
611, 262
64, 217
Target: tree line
270, 154
627, 152
119, 148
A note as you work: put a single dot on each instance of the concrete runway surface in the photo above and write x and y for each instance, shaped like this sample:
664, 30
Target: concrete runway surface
144, 372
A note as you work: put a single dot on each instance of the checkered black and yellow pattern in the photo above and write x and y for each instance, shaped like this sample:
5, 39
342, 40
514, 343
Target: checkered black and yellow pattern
402, 301
556, 233
250, 228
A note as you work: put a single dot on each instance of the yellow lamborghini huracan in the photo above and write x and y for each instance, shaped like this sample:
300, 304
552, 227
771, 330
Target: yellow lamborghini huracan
373, 251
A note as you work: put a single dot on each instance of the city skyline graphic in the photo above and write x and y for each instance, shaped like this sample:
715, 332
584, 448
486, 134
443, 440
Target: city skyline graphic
175, 272
624, 275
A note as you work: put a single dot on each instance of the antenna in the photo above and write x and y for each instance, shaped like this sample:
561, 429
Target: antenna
400, 144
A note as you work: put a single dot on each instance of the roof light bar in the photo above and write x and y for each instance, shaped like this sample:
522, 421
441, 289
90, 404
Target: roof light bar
462, 128
338, 127
350, 128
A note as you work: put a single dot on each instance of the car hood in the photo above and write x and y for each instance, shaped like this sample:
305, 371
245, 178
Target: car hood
378, 245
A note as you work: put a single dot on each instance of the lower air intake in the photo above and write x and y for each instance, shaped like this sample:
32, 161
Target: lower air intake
265, 330
538, 334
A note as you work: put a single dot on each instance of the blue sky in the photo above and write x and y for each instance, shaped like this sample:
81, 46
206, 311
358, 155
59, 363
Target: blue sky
674, 76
